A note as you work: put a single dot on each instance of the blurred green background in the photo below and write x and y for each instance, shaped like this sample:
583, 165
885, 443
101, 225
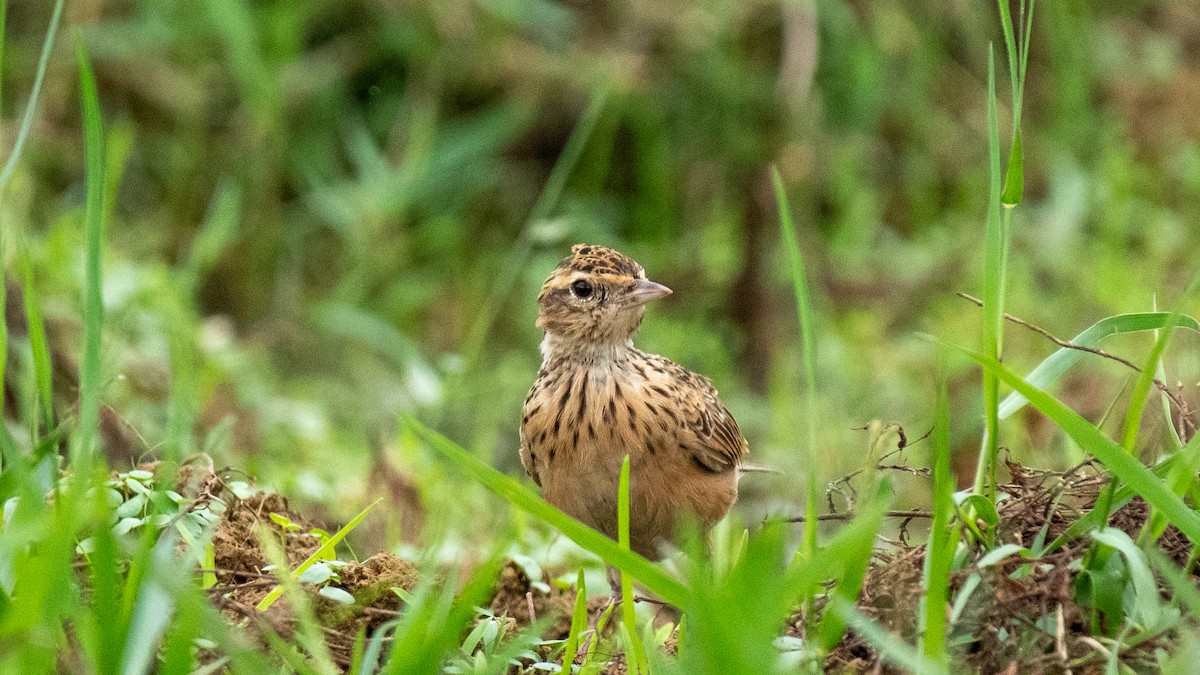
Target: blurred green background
326, 213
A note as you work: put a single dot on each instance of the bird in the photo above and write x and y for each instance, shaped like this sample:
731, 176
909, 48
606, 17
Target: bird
597, 398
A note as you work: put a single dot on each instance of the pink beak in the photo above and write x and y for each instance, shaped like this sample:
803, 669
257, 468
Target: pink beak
646, 291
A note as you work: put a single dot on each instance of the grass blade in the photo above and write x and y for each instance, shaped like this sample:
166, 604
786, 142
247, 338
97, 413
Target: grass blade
3, 256
578, 622
434, 621
942, 538
1098, 517
507, 276
1124, 465
369, 663
1181, 477
153, 601
1141, 388
177, 645
307, 635
1018, 56
1058, 363
3, 24
994, 272
650, 575
828, 561
34, 94
1010, 44
106, 593
628, 616
93, 301
833, 624
1182, 584
39, 346
808, 345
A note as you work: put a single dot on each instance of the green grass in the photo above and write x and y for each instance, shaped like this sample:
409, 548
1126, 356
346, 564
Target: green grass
31, 107
1115, 458
635, 650
808, 343
943, 540
91, 371
39, 349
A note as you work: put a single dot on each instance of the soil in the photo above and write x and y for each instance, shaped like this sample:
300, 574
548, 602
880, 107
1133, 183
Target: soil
1037, 604
516, 596
1023, 617
241, 582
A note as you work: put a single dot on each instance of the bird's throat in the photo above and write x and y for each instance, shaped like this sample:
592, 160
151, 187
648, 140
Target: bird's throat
590, 353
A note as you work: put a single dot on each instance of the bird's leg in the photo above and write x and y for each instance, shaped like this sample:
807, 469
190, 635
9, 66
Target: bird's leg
665, 611
614, 582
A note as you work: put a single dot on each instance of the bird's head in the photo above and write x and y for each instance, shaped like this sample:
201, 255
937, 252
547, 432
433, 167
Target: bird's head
595, 298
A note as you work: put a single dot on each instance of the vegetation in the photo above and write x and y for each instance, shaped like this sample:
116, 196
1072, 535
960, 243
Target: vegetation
255, 249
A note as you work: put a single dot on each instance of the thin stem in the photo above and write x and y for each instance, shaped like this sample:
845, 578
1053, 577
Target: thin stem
31, 106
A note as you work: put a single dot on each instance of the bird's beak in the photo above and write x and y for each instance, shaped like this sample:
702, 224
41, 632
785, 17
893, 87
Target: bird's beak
645, 291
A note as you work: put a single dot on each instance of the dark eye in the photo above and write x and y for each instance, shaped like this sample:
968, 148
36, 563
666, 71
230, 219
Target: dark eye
581, 289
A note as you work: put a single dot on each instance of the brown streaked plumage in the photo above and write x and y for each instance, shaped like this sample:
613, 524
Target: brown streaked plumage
597, 398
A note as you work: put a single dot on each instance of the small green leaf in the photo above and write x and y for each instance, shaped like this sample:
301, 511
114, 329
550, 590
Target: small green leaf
126, 525
240, 489
1147, 608
132, 506
1000, 553
284, 522
982, 508
964, 595
319, 573
336, 594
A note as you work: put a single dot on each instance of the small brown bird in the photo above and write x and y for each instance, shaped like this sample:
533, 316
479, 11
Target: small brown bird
597, 399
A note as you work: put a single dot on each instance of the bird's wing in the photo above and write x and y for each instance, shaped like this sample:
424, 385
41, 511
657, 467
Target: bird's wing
717, 444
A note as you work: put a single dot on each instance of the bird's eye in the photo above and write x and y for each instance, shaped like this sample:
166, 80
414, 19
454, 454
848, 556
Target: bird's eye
581, 289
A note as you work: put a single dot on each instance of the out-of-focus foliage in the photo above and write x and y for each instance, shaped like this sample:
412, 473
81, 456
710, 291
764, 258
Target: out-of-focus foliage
313, 202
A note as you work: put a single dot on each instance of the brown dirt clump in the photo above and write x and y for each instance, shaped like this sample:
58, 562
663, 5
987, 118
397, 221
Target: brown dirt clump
371, 582
515, 592
238, 555
242, 583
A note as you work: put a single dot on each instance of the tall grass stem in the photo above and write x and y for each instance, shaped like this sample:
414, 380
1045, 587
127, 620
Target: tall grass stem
93, 299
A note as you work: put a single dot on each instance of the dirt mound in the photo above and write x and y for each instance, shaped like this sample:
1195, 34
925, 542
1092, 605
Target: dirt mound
1022, 615
377, 584
517, 596
237, 552
243, 578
